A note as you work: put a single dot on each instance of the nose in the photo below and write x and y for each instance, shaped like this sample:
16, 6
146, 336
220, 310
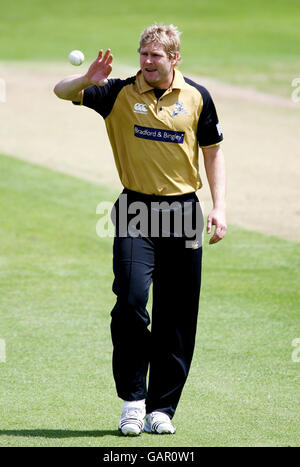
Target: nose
148, 59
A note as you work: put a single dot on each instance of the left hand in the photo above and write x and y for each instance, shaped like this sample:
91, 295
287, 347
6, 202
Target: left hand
216, 217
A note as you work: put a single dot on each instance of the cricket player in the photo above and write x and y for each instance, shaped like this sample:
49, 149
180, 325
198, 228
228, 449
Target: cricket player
156, 121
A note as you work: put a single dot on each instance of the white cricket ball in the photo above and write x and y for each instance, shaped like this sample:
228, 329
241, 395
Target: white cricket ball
76, 57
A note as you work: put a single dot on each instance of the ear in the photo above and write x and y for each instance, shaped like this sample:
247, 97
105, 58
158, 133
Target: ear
176, 59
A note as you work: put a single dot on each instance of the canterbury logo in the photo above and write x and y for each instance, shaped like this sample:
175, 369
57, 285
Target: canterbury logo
140, 108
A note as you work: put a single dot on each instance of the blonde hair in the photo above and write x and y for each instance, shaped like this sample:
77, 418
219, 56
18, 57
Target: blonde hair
166, 36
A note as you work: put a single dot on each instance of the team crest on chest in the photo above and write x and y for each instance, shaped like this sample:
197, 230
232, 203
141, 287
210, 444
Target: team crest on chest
179, 109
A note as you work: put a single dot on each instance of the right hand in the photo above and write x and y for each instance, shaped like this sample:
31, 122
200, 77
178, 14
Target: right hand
100, 69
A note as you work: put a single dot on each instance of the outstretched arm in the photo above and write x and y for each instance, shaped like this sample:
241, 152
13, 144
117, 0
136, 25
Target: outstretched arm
70, 88
215, 170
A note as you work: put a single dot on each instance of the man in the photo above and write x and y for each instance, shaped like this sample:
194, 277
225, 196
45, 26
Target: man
155, 121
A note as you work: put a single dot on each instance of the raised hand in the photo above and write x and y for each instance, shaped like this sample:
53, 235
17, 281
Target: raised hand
100, 69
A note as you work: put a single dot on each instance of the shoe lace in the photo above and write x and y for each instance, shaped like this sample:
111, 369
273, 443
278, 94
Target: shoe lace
160, 417
132, 413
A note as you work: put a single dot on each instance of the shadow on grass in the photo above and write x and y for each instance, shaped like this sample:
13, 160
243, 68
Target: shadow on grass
40, 433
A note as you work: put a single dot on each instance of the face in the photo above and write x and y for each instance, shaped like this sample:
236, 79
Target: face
156, 66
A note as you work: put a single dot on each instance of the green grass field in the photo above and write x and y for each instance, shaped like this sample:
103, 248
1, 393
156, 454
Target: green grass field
56, 384
249, 43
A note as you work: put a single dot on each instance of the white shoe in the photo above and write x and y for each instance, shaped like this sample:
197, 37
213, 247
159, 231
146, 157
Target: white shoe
159, 423
132, 418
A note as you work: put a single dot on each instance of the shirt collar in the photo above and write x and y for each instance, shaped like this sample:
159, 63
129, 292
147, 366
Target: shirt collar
143, 86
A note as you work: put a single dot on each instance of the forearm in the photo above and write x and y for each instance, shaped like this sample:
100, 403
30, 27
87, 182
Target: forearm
214, 163
70, 87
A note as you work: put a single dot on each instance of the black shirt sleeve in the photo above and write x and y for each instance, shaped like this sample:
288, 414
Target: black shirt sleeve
209, 130
102, 98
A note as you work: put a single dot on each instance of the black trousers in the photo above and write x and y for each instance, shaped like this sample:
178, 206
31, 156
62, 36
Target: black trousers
167, 348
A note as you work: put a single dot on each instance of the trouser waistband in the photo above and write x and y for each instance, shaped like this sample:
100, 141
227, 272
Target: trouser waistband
134, 195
